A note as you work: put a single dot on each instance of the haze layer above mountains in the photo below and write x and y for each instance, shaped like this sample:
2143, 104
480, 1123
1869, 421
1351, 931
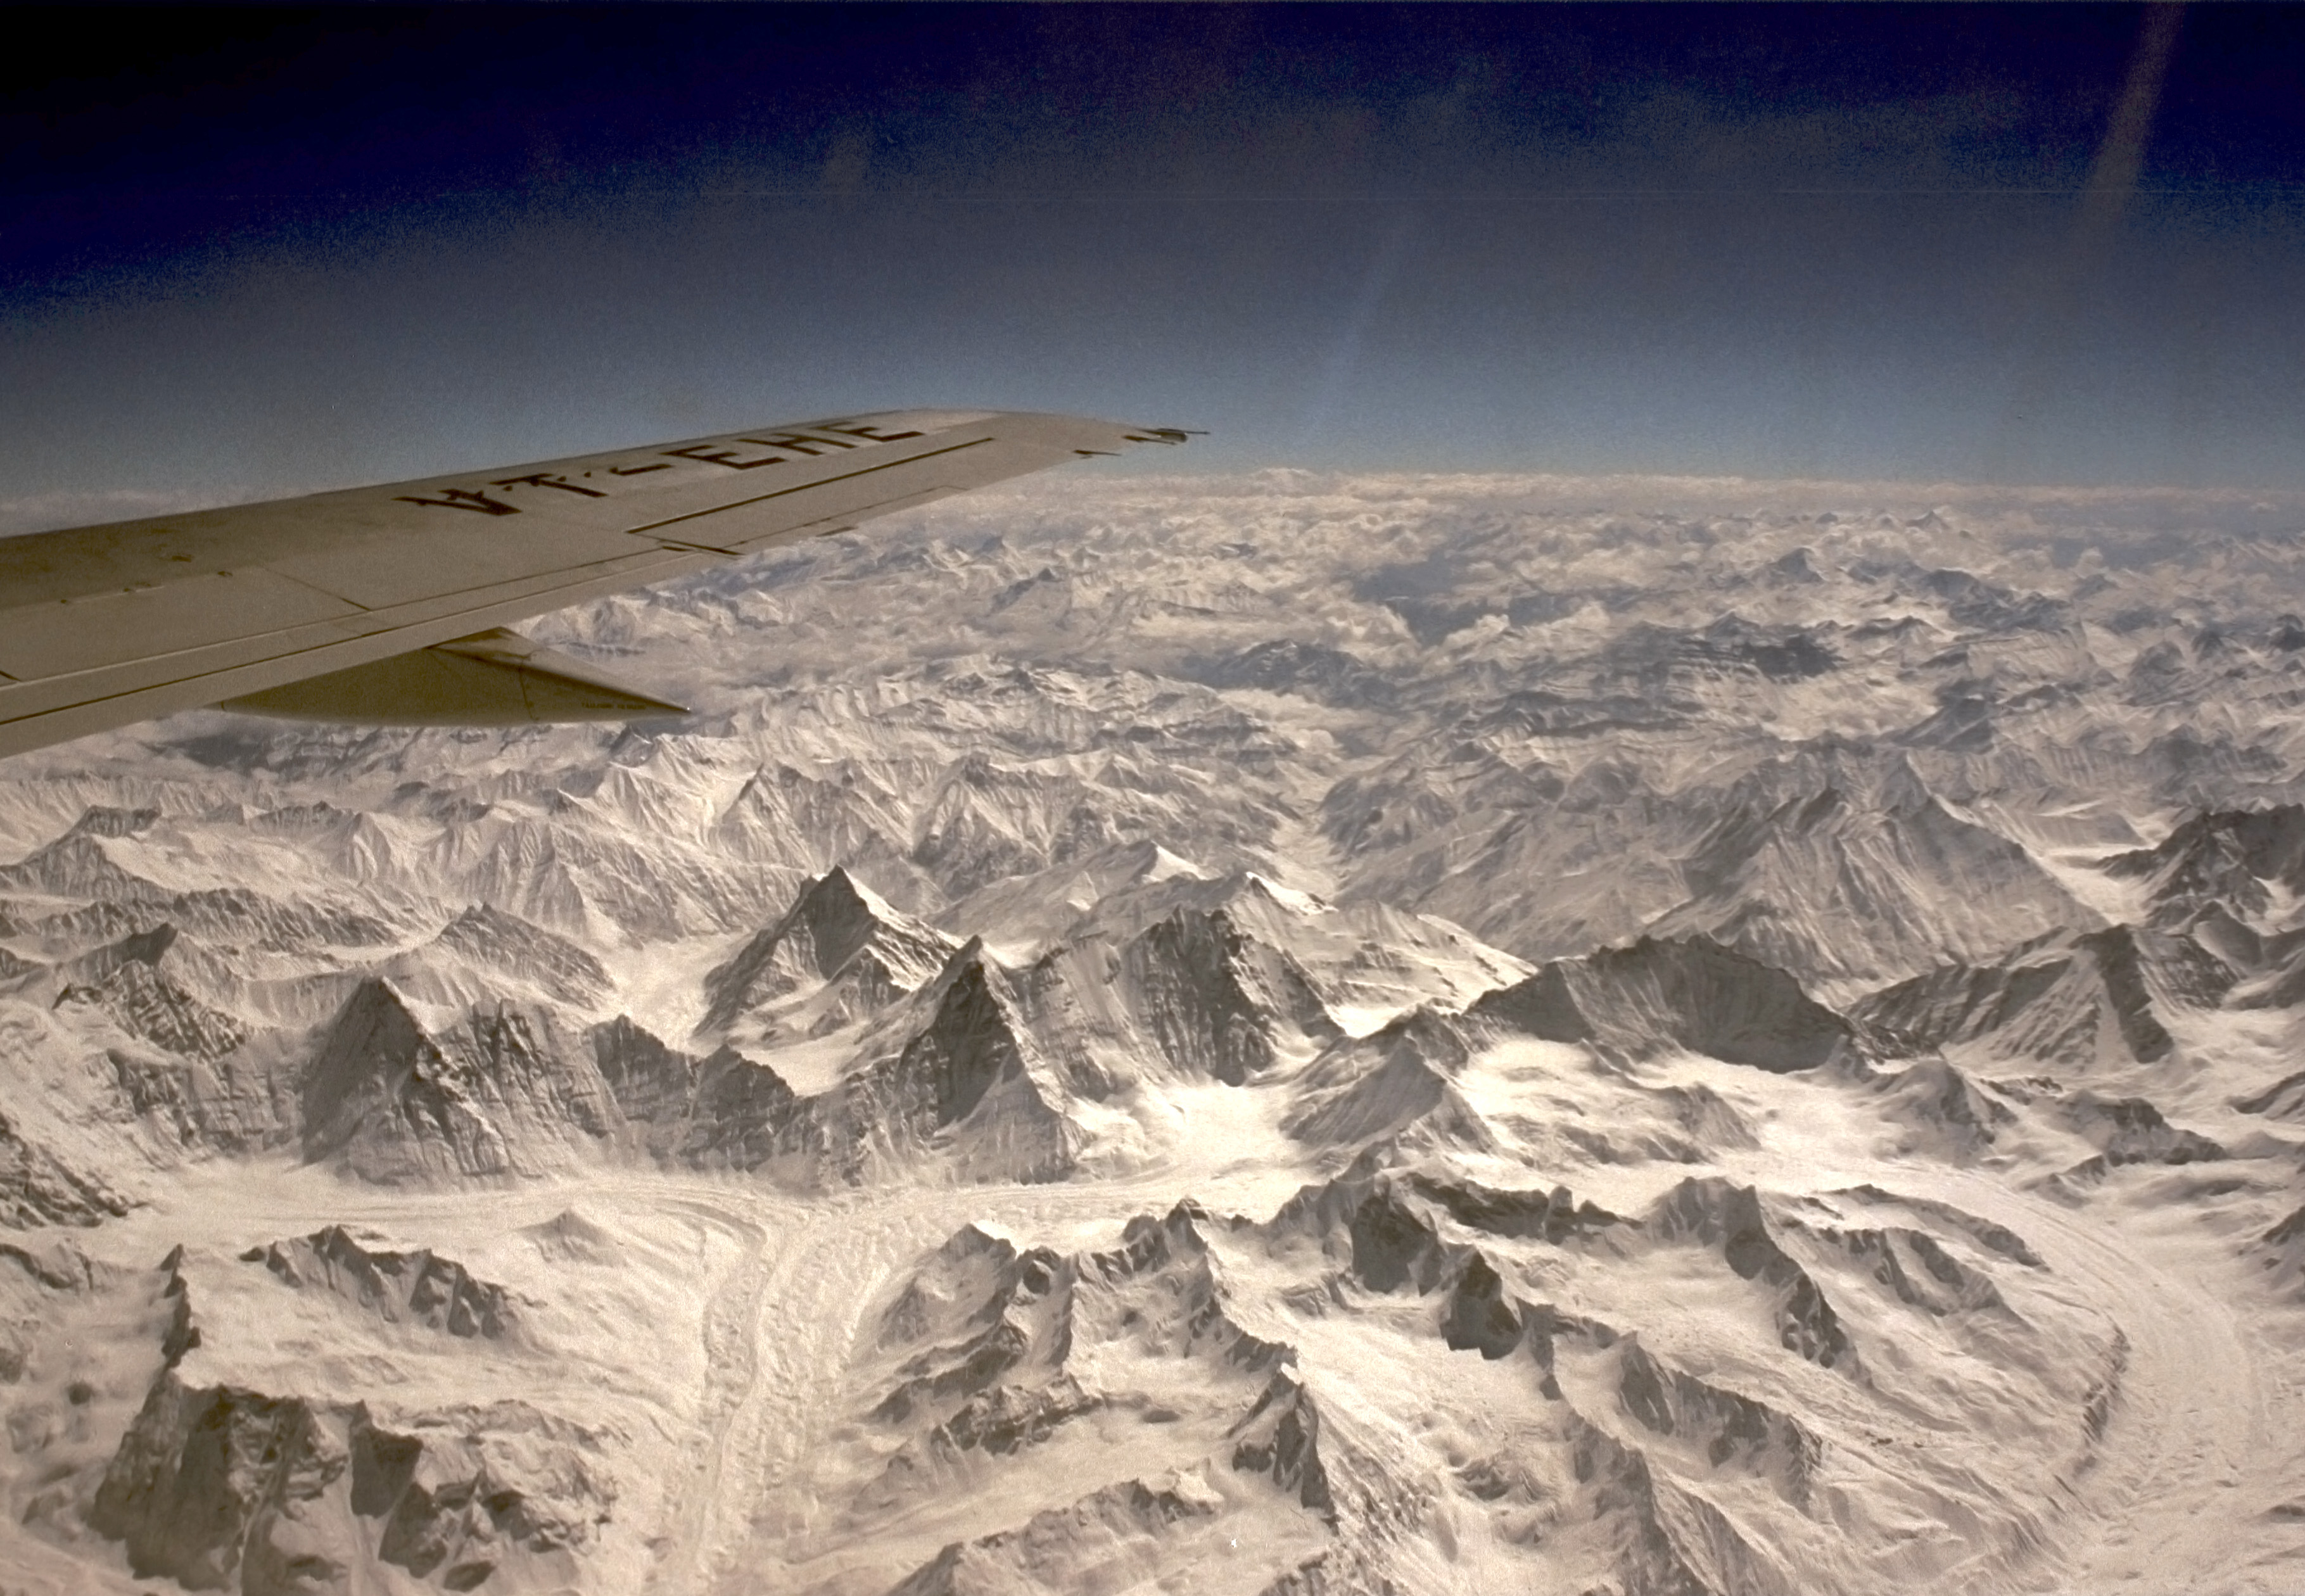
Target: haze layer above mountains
1277, 1035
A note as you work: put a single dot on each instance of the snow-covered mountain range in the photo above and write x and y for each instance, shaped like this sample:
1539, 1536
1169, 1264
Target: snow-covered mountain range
1277, 1035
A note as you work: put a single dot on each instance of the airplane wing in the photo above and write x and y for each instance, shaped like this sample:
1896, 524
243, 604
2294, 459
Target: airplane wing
388, 605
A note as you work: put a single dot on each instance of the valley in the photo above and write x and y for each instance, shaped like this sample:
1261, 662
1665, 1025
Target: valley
1276, 1034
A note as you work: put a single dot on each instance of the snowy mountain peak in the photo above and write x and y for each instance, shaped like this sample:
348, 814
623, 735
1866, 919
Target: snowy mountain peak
1888, 916
514, 950
837, 933
1660, 994
1161, 865
2236, 858
104, 820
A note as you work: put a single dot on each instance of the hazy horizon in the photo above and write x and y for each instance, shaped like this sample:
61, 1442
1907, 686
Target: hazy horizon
258, 252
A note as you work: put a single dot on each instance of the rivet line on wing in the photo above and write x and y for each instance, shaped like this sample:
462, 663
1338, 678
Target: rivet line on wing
807, 487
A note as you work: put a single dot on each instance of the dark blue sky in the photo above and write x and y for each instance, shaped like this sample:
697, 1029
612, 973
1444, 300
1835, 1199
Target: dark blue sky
266, 251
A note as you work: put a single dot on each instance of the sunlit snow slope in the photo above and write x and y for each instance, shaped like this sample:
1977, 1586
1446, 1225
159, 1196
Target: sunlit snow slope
1280, 1035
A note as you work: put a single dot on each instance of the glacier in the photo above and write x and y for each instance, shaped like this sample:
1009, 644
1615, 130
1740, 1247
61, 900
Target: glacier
1280, 1033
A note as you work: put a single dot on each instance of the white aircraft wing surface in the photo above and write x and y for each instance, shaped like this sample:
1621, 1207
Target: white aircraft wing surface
388, 604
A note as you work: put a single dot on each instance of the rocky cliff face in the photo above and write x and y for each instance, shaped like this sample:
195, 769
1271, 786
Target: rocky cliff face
836, 935
1692, 994
1208, 995
2077, 1001
38, 1188
1712, 1214
217, 1483
1282, 1035
401, 1288
221, 1488
1856, 871
2239, 859
1399, 1076
494, 1096
970, 1083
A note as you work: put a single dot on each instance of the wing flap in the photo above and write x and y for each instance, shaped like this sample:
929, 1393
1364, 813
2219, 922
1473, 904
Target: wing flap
35, 714
494, 678
101, 626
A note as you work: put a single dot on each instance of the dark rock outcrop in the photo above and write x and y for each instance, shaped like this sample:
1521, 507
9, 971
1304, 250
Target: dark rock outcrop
1553, 1217
723, 1111
1669, 1541
1714, 1213
2284, 1248
969, 1082
418, 1287
1479, 1315
2067, 1000
125, 981
222, 1488
2234, 857
1280, 1438
835, 931
39, 1188
982, 1315
1397, 1075
1208, 995
1657, 996
491, 940
1387, 1231
2284, 1100
2133, 1130
1729, 1429
1941, 1107
493, 1097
